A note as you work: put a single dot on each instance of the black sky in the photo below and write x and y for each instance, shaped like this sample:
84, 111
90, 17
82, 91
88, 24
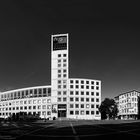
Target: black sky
104, 42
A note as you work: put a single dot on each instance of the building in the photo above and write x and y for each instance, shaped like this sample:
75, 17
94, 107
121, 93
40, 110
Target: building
128, 104
65, 97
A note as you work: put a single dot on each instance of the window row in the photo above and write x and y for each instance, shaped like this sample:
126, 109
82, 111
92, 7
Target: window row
83, 93
26, 102
84, 82
84, 106
26, 107
83, 99
62, 55
26, 94
77, 112
84, 86
34, 113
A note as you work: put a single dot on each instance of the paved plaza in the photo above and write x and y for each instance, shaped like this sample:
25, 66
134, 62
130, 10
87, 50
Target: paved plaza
70, 129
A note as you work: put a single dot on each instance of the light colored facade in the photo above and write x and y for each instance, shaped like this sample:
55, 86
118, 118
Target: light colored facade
65, 97
128, 105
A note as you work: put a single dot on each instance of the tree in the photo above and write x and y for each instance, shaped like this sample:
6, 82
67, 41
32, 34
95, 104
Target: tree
108, 109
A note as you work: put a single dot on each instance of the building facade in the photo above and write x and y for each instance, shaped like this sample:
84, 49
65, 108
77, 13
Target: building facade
128, 104
65, 97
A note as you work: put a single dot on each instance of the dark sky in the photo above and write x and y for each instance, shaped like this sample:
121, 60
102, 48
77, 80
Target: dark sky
104, 42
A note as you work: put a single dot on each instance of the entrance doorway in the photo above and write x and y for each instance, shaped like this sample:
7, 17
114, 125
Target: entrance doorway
61, 113
62, 110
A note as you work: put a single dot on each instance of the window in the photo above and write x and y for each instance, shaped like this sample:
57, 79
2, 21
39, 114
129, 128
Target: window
92, 112
59, 81
64, 70
82, 92
77, 81
92, 93
82, 99
64, 86
76, 105
87, 87
77, 93
87, 82
82, 86
87, 99
87, 112
44, 106
64, 99
82, 112
92, 87
97, 100
82, 82
30, 107
71, 81
92, 99
71, 112
59, 65
71, 99
64, 75
34, 107
64, 93
64, 65
59, 60
71, 92
59, 75
87, 105
97, 88
97, 112
82, 105
76, 112
64, 60
77, 86
25, 107
59, 55
71, 86
59, 93
97, 93
59, 71
97, 106
92, 82
87, 93
64, 55
71, 105
59, 99
59, 86
77, 99
97, 83
92, 106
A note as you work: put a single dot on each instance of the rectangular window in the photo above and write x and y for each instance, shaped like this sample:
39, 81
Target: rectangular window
77, 93
59, 92
97, 93
92, 112
64, 92
82, 82
59, 55
71, 105
82, 86
97, 100
92, 93
71, 81
92, 99
77, 81
87, 112
64, 99
76, 99
97, 88
87, 99
71, 112
59, 99
87, 82
64, 55
92, 106
71, 92
76, 105
97, 83
87, 93
82, 99
82, 105
76, 112
92, 82
71, 99
82, 92
59, 71
59, 60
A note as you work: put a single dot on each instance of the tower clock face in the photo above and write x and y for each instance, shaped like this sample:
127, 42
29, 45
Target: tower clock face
59, 43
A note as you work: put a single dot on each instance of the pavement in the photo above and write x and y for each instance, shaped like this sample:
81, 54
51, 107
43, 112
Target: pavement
70, 129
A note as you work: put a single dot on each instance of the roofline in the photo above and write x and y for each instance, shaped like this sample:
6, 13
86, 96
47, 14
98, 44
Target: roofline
126, 93
27, 88
83, 79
